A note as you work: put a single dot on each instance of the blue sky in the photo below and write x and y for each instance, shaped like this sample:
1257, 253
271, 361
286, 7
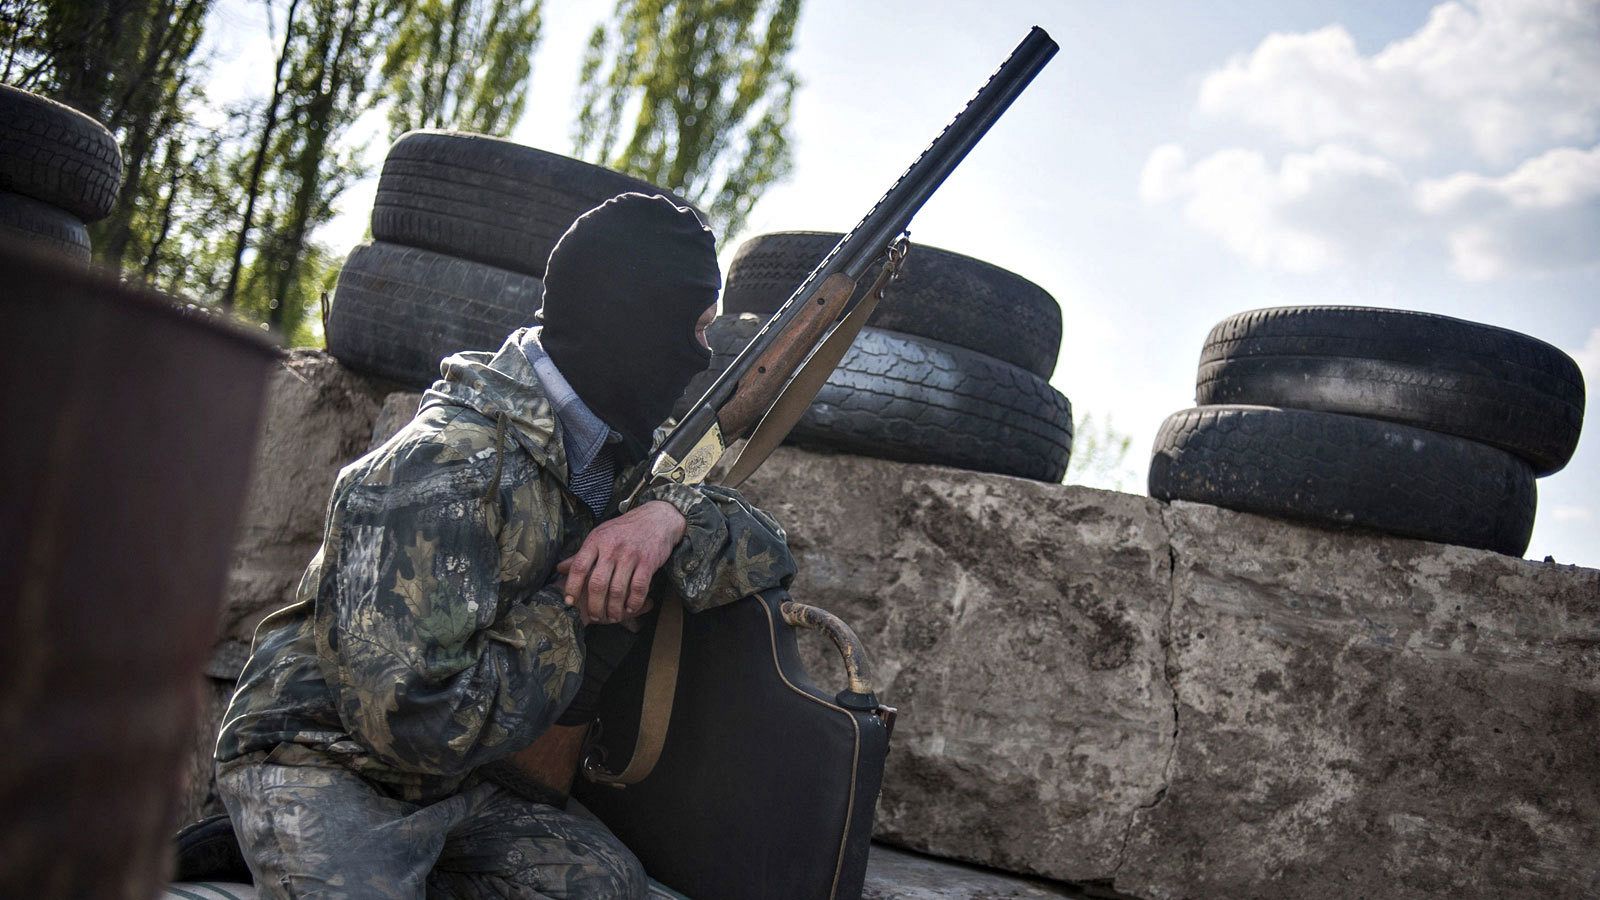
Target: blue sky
1181, 162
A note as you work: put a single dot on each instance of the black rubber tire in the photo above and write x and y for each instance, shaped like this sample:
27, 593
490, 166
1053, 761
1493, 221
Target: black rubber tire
54, 153
488, 200
53, 230
208, 850
1475, 381
398, 310
940, 295
1342, 470
896, 396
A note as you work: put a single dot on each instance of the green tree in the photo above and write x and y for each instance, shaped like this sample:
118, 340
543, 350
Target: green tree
258, 160
695, 96
223, 215
1099, 454
190, 251
461, 64
169, 182
299, 163
21, 43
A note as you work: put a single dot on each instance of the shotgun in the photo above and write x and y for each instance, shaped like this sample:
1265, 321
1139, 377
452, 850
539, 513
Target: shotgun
768, 386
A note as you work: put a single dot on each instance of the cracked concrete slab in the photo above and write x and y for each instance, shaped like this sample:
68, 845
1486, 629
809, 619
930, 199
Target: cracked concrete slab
318, 417
1018, 626
894, 874
1367, 716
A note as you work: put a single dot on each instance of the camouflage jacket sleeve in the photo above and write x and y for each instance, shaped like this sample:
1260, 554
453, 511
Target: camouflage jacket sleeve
437, 664
729, 548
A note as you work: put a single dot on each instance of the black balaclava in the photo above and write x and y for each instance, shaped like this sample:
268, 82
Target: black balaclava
622, 292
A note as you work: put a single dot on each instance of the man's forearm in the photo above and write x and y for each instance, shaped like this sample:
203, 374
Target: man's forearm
729, 549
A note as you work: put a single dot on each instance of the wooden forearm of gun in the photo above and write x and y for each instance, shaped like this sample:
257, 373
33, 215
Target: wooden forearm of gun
767, 377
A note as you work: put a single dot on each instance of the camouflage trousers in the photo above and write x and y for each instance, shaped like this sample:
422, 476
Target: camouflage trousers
317, 829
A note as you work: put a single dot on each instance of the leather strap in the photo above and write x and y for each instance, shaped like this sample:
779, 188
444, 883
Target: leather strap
660, 687
803, 387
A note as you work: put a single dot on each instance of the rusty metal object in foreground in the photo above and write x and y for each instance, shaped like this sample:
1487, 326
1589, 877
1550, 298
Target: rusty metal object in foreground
128, 430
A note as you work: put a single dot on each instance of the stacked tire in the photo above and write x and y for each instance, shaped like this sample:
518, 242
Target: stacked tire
462, 225
951, 368
1403, 422
59, 171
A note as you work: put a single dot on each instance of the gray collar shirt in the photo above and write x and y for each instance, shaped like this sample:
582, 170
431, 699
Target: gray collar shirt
586, 440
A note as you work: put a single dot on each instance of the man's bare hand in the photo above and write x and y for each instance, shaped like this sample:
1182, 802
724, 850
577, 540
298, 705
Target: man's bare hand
608, 577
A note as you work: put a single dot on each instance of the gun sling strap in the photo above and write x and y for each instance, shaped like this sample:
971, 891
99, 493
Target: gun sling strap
660, 686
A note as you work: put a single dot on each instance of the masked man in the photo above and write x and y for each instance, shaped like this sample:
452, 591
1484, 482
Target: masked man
442, 626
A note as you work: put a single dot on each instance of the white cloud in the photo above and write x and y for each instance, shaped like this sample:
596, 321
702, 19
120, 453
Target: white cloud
1384, 138
1336, 205
1571, 514
1542, 216
1588, 358
1281, 216
1503, 77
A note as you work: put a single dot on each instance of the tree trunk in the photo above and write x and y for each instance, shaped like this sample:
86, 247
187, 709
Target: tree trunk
82, 52
174, 172
332, 76
253, 184
116, 231
452, 55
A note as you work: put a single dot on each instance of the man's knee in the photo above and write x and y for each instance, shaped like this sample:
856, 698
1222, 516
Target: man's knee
618, 873
573, 873
304, 828
531, 847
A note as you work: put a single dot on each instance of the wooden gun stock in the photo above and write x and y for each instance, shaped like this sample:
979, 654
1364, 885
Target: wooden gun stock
772, 369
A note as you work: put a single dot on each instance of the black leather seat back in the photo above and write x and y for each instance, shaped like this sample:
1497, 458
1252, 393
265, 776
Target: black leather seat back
765, 786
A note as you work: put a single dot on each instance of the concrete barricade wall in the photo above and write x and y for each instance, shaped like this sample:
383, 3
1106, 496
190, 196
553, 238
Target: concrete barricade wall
1184, 701
1172, 700
1018, 627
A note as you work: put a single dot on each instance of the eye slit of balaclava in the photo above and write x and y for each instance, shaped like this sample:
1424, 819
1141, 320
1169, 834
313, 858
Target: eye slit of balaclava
623, 291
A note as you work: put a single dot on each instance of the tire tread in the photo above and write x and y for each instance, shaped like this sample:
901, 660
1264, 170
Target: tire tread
397, 311
55, 154
941, 295
908, 398
53, 230
1342, 470
1471, 380
488, 200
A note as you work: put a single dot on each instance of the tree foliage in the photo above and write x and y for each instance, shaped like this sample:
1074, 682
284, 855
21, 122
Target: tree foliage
695, 96
1099, 454
461, 64
297, 164
22, 56
219, 214
224, 204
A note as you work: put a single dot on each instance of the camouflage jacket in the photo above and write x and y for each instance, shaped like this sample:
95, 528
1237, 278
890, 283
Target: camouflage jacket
426, 639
